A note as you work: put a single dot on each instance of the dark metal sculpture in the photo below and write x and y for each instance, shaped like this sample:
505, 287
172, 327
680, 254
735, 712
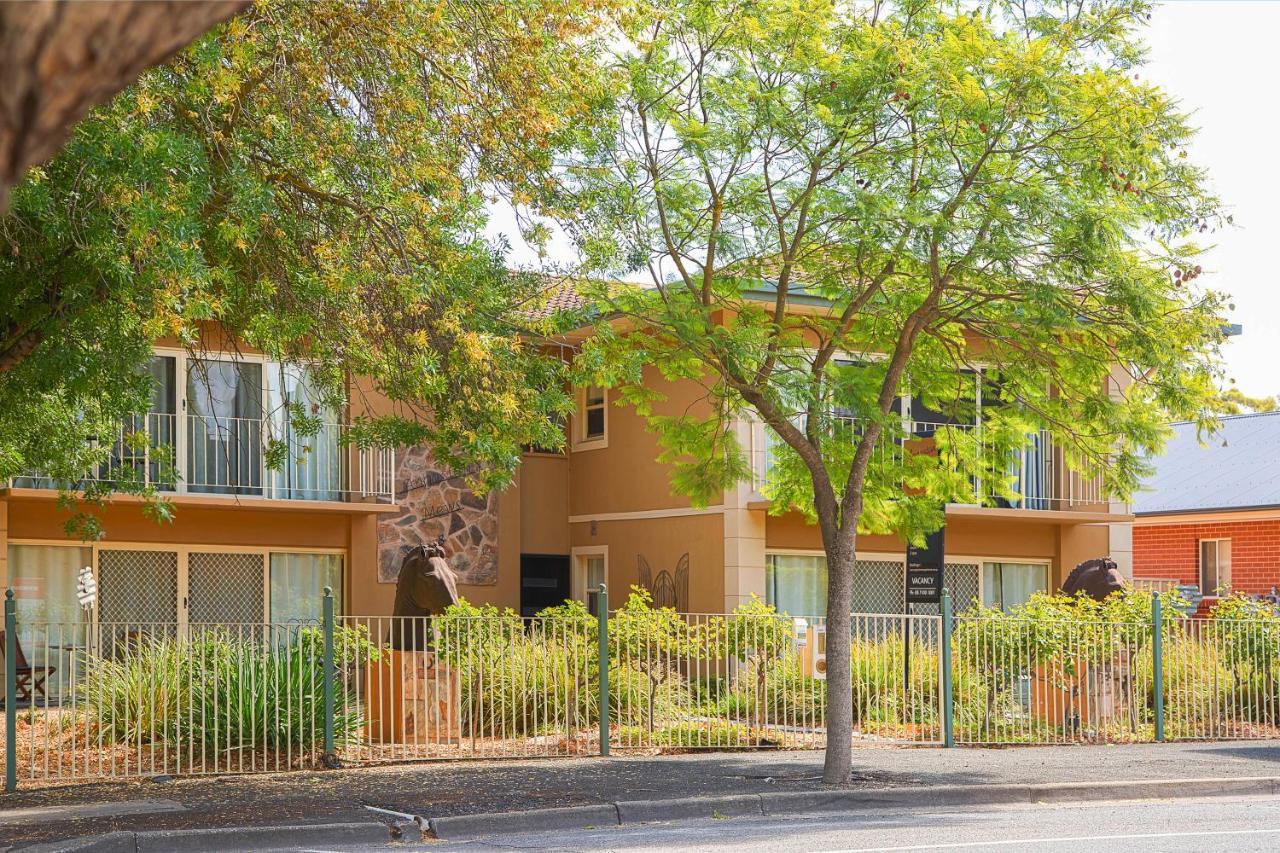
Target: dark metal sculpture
427, 586
1095, 578
666, 591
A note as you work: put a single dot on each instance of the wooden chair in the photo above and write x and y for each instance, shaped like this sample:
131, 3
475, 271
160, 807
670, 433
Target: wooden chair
30, 679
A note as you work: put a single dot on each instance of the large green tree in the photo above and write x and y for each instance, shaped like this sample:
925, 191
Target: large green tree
313, 178
838, 204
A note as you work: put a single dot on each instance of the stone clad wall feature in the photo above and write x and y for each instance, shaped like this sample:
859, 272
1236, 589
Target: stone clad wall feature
437, 502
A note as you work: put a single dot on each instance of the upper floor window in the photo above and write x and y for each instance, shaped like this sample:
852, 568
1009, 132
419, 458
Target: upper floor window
593, 424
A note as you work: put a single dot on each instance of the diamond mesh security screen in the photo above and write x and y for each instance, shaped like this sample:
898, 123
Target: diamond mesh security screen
224, 588
878, 586
962, 580
137, 586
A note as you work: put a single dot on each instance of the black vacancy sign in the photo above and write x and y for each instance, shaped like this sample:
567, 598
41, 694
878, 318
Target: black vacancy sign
924, 570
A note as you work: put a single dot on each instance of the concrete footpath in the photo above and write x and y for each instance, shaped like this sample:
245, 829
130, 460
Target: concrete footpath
373, 805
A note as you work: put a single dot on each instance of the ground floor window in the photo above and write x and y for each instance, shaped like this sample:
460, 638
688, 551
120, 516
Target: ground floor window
298, 582
796, 583
44, 580
1007, 585
590, 569
1215, 566
173, 586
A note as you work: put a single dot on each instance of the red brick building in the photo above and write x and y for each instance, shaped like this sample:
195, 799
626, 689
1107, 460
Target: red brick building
1211, 513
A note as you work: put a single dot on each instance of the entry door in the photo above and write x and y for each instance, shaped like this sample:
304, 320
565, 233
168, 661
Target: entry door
137, 588
148, 589
137, 596
544, 582
225, 588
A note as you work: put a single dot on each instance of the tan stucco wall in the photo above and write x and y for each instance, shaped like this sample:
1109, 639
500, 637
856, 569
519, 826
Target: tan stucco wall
244, 525
662, 541
623, 476
544, 505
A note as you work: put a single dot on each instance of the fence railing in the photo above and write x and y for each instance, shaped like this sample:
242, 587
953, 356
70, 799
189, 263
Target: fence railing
246, 457
1035, 476
119, 700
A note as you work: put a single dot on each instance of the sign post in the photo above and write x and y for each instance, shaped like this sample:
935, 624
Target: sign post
923, 586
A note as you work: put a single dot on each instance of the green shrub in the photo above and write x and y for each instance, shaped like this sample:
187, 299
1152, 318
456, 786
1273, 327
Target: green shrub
139, 695
519, 678
223, 692
776, 693
690, 735
658, 644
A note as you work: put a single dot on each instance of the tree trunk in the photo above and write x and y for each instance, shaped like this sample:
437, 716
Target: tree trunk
60, 59
839, 757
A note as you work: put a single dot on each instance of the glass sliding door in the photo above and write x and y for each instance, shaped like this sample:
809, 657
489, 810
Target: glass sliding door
52, 627
308, 428
147, 442
297, 586
796, 584
1007, 585
224, 427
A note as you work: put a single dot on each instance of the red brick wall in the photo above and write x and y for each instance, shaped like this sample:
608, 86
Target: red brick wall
1173, 551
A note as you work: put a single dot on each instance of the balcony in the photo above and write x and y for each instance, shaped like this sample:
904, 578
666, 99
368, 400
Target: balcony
265, 458
1038, 477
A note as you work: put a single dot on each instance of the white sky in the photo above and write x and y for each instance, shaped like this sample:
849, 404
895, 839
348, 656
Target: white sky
1221, 59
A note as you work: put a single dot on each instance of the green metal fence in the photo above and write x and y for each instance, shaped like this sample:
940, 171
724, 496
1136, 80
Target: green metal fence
124, 700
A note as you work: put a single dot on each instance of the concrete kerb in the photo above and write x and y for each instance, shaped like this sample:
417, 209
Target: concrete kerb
649, 811
371, 833
537, 820
109, 842
836, 800
1155, 789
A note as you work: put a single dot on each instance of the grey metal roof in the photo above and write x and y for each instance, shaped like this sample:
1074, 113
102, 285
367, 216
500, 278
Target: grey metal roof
1236, 468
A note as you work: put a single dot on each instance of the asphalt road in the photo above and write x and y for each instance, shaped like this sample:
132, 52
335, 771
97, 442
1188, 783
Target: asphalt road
1215, 824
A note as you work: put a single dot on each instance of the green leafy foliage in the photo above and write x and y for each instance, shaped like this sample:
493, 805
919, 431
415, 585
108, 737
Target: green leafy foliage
223, 694
520, 679
953, 188
655, 643
836, 205
310, 179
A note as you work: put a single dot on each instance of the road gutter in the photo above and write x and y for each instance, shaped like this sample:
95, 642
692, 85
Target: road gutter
773, 803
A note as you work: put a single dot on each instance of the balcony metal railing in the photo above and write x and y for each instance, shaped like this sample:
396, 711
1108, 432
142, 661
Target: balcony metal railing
245, 457
1037, 476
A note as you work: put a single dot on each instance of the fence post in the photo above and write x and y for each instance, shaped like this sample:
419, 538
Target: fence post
602, 615
10, 693
328, 677
1157, 664
948, 705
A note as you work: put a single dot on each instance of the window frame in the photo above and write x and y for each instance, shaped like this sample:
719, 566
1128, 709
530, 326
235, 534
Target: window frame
185, 549
1047, 565
578, 559
183, 360
581, 441
1223, 584
1051, 581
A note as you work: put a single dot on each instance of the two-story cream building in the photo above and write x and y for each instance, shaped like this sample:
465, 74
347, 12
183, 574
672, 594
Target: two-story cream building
251, 542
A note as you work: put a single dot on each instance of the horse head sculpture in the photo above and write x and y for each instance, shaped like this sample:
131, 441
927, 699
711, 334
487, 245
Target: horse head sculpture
1095, 578
426, 587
